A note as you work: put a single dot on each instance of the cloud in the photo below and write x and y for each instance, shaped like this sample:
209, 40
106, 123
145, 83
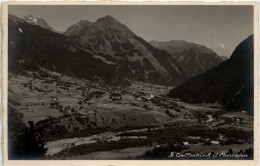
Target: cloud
222, 45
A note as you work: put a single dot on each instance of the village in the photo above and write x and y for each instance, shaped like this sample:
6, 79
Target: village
66, 108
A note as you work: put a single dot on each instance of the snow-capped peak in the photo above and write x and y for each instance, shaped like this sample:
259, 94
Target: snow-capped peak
32, 20
37, 21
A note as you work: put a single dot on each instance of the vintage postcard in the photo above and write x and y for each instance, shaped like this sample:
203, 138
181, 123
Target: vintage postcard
120, 83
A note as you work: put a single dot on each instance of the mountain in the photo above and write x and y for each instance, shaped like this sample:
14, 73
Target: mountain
135, 58
37, 21
194, 58
15, 19
230, 83
75, 29
223, 58
31, 48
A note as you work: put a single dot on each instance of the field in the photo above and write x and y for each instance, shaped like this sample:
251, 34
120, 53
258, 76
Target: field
80, 119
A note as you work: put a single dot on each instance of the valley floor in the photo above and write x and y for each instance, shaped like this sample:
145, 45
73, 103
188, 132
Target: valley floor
80, 119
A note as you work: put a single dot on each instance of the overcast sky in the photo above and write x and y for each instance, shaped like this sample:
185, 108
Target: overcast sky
220, 28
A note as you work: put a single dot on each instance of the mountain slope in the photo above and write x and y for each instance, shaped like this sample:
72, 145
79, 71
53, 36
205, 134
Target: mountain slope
37, 21
134, 57
224, 58
231, 83
38, 47
194, 58
75, 29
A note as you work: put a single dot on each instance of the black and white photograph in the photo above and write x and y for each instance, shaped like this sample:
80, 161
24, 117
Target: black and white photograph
131, 82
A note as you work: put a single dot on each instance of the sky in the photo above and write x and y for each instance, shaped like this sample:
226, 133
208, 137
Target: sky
220, 28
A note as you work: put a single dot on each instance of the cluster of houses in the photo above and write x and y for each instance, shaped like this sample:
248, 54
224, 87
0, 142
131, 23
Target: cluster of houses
221, 140
115, 96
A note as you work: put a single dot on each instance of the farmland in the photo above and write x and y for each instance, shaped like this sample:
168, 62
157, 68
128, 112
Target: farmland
80, 118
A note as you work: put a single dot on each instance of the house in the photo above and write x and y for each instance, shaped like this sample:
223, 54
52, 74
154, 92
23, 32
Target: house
149, 97
214, 142
194, 137
162, 146
238, 122
185, 143
21, 61
54, 99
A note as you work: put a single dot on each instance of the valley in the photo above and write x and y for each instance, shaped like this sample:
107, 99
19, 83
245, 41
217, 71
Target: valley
99, 91
80, 118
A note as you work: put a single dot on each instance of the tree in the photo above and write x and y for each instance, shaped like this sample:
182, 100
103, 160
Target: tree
230, 151
27, 144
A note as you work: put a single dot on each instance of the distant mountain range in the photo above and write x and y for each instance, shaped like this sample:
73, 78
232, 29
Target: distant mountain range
194, 58
134, 57
106, 51
230, 83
